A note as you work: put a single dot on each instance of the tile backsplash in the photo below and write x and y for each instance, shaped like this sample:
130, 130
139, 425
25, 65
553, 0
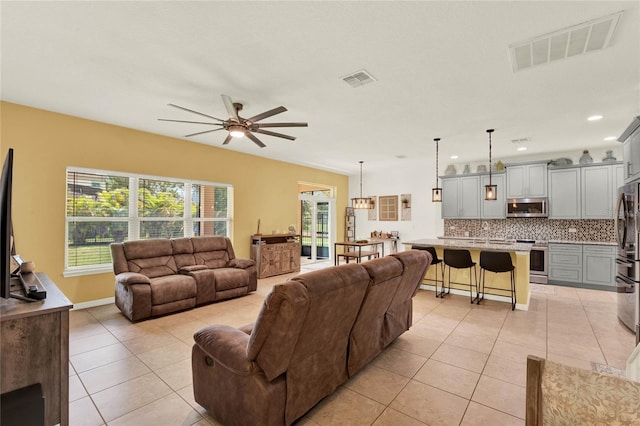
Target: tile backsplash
602, 230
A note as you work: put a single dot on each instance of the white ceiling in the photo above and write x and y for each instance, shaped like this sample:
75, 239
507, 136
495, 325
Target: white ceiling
442, 69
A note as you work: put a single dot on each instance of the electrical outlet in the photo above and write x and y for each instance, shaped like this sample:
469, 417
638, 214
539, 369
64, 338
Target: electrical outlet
573, 230
451, 228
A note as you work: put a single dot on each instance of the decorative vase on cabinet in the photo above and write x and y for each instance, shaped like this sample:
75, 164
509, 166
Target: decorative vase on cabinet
609, 157
586, 158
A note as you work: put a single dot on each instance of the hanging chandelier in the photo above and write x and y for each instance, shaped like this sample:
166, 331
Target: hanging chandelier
490, 191
361, 202
436, 193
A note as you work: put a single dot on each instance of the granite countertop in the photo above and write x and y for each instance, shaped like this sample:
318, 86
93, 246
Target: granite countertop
470, 243
598, 243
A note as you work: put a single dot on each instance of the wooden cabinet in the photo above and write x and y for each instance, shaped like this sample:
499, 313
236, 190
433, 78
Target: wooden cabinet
599, 265
597, 192
565, 263
565, 193
527, 180
630, 139
461, 197
493, 209
583, 265
584, 191
275, 254
34, 348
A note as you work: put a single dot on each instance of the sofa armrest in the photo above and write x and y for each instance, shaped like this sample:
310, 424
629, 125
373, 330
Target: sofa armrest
241, 263
129, 278
227, 346
191, 268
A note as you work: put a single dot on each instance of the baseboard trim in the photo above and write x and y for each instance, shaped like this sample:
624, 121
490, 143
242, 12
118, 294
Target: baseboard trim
93, 303
519, 306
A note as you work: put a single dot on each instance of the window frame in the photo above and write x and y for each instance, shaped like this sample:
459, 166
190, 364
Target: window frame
134, 220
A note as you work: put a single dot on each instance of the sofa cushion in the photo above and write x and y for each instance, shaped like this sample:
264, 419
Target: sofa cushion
172, 288
228, 278
153, 258
183, 252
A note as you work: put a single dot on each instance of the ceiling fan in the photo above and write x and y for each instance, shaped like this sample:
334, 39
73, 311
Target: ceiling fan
238, 126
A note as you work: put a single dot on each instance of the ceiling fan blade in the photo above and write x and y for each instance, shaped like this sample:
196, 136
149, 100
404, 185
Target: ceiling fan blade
195, 112
228, 104
194, 122
227, 139
201, 133
279, 135
267, 114
254, 139
263, 125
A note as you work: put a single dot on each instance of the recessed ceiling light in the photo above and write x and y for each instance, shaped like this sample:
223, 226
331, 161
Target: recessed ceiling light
522, 148
454, 157
595, 117
610, 138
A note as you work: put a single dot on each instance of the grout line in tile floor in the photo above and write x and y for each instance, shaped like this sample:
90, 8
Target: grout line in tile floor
514, 333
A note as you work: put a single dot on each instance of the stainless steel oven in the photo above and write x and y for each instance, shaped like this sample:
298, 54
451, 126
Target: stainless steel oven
538, 261
527, 207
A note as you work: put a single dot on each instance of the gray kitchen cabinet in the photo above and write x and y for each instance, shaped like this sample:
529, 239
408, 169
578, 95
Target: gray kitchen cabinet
565, 263
597, 192
527, 180
599, 265
493, 209
450, 203
461, 197
618, 179
631, 150
565, 193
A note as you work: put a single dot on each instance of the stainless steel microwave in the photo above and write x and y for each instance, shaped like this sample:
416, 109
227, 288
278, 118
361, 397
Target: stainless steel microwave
527, 207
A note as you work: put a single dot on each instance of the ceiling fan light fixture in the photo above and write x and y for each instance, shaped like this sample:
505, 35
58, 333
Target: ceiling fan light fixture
236, 131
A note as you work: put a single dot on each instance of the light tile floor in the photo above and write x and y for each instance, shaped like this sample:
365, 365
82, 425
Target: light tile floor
459, 364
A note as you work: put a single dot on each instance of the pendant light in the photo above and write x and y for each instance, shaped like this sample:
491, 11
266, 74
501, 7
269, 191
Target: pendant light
490, 191
361, 203
436, 193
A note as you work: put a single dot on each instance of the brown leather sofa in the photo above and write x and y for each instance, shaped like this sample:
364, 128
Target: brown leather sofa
159, 276
312, 334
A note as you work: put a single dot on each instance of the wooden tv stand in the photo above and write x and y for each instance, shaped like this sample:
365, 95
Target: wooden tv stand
34, 348
275, 254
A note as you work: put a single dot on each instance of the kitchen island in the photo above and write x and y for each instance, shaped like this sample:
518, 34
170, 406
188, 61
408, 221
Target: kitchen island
519, 256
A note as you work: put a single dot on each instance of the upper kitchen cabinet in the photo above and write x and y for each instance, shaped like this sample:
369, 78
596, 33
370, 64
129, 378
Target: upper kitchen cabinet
493, 209
461, 197
584, 191
631, 150
565, 193
598, 192
527, 180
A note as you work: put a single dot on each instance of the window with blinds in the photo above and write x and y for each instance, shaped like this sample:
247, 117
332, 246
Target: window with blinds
106, 207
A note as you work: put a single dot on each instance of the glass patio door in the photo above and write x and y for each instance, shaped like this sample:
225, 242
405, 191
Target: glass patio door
317, 216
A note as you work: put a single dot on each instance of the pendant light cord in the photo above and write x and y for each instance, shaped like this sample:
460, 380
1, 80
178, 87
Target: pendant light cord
437, 156
490, 131
361, 178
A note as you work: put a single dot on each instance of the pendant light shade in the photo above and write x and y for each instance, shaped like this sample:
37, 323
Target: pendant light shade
490, 191
436, 193
361, 203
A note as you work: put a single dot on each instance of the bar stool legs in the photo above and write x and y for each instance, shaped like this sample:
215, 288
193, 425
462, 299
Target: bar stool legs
461, 259
497, 262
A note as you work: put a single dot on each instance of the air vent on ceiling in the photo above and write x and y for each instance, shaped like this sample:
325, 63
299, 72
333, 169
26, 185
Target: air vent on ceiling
519, 141
359, 78
576, 40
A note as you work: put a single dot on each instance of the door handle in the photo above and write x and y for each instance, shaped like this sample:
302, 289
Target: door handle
627, 264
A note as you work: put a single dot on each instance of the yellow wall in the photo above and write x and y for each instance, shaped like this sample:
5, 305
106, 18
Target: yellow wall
46, 143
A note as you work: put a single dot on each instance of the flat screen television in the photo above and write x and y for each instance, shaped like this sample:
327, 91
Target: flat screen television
6, 231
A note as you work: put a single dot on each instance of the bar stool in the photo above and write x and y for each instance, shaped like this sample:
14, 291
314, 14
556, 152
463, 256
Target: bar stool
461, 259
498, 262
435, 261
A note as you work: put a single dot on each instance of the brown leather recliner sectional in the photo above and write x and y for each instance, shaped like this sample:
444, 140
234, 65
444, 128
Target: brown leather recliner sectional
159, 276
312, 334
